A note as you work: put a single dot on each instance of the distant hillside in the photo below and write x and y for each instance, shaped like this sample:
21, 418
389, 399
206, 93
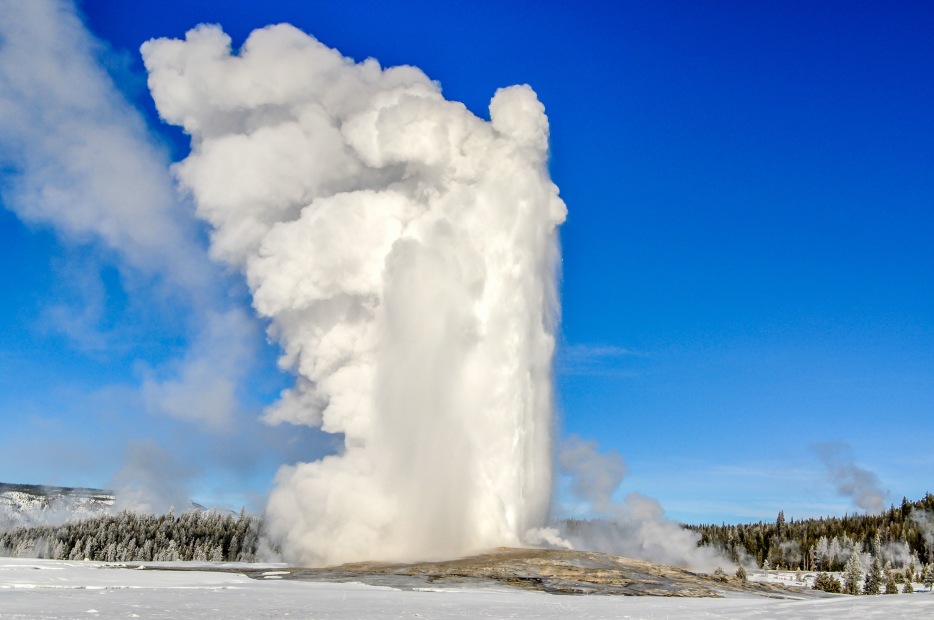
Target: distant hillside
35, 504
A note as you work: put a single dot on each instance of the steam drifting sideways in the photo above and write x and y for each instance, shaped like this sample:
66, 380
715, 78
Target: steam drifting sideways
405, 253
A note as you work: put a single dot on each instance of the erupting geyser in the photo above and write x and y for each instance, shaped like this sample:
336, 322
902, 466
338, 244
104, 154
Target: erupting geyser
405, 252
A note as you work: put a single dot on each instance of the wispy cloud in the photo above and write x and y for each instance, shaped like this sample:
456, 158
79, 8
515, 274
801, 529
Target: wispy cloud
769, 471
598, 359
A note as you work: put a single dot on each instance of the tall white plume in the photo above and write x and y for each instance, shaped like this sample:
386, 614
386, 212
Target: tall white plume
405, 252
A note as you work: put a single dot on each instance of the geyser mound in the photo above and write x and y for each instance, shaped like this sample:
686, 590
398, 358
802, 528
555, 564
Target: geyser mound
405, 253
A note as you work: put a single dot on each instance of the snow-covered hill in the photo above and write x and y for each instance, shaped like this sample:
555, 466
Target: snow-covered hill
30, 504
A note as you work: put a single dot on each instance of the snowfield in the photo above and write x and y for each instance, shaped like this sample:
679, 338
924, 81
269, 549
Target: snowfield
58, 589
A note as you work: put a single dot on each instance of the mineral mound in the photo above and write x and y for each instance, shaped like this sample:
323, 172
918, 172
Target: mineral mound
554, 571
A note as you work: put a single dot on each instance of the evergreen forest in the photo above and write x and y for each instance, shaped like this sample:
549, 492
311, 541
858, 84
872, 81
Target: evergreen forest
199, 535
900, 537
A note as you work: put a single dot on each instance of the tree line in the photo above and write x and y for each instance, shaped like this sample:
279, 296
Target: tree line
901, 535
874, 553
196, 535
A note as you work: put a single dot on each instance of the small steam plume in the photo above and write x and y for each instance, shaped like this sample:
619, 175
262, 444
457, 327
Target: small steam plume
405, 253
152, 479
925, 521
594, 476
860, 485
636, 527
899, 553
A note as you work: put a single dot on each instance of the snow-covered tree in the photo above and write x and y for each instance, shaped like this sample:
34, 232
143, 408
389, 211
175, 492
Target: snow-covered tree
853, 575
873, 582
826, 582
891, 586
928, 576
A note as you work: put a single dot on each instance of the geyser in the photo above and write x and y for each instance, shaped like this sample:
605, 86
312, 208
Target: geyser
404, 252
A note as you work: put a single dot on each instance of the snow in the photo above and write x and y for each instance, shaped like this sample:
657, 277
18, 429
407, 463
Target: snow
19, 508
805, 580
789, 579
51, 589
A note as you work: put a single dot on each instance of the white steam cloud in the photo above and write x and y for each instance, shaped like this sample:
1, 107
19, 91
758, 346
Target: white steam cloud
152, 479
78, 159
81, 157
405, 252
636, 527
925, 521
594, 476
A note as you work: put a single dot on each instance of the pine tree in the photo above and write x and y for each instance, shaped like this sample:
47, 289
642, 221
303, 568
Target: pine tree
928, 577
891, 587
852, 575
873, 578
827, 583
741, 573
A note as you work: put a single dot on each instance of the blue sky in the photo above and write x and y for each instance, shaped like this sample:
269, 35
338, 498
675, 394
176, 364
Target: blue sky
747, 256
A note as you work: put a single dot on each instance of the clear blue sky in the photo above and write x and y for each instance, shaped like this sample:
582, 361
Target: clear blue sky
748, 257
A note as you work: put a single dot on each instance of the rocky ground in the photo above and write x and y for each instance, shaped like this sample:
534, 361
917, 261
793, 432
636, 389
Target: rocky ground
553, 571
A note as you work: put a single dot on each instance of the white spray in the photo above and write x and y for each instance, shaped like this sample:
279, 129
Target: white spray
405, 252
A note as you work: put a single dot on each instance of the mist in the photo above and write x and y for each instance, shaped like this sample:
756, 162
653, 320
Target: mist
634, 527
405, 253
79, 161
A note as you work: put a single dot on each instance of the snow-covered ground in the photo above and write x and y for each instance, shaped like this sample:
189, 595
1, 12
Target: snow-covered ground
58, 589
51, 505
805, 579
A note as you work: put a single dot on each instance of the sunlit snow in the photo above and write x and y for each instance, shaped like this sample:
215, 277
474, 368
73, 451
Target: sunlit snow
56, 589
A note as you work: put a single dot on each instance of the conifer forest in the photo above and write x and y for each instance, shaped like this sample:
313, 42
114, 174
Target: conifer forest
198, 535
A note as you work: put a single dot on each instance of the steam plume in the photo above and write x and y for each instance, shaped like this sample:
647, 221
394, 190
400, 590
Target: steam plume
850, 480
594, 476
78, 159
636, 527
405, 252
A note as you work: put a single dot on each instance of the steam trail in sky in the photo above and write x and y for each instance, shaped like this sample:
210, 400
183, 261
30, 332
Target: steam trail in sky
851, 480
405, 252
